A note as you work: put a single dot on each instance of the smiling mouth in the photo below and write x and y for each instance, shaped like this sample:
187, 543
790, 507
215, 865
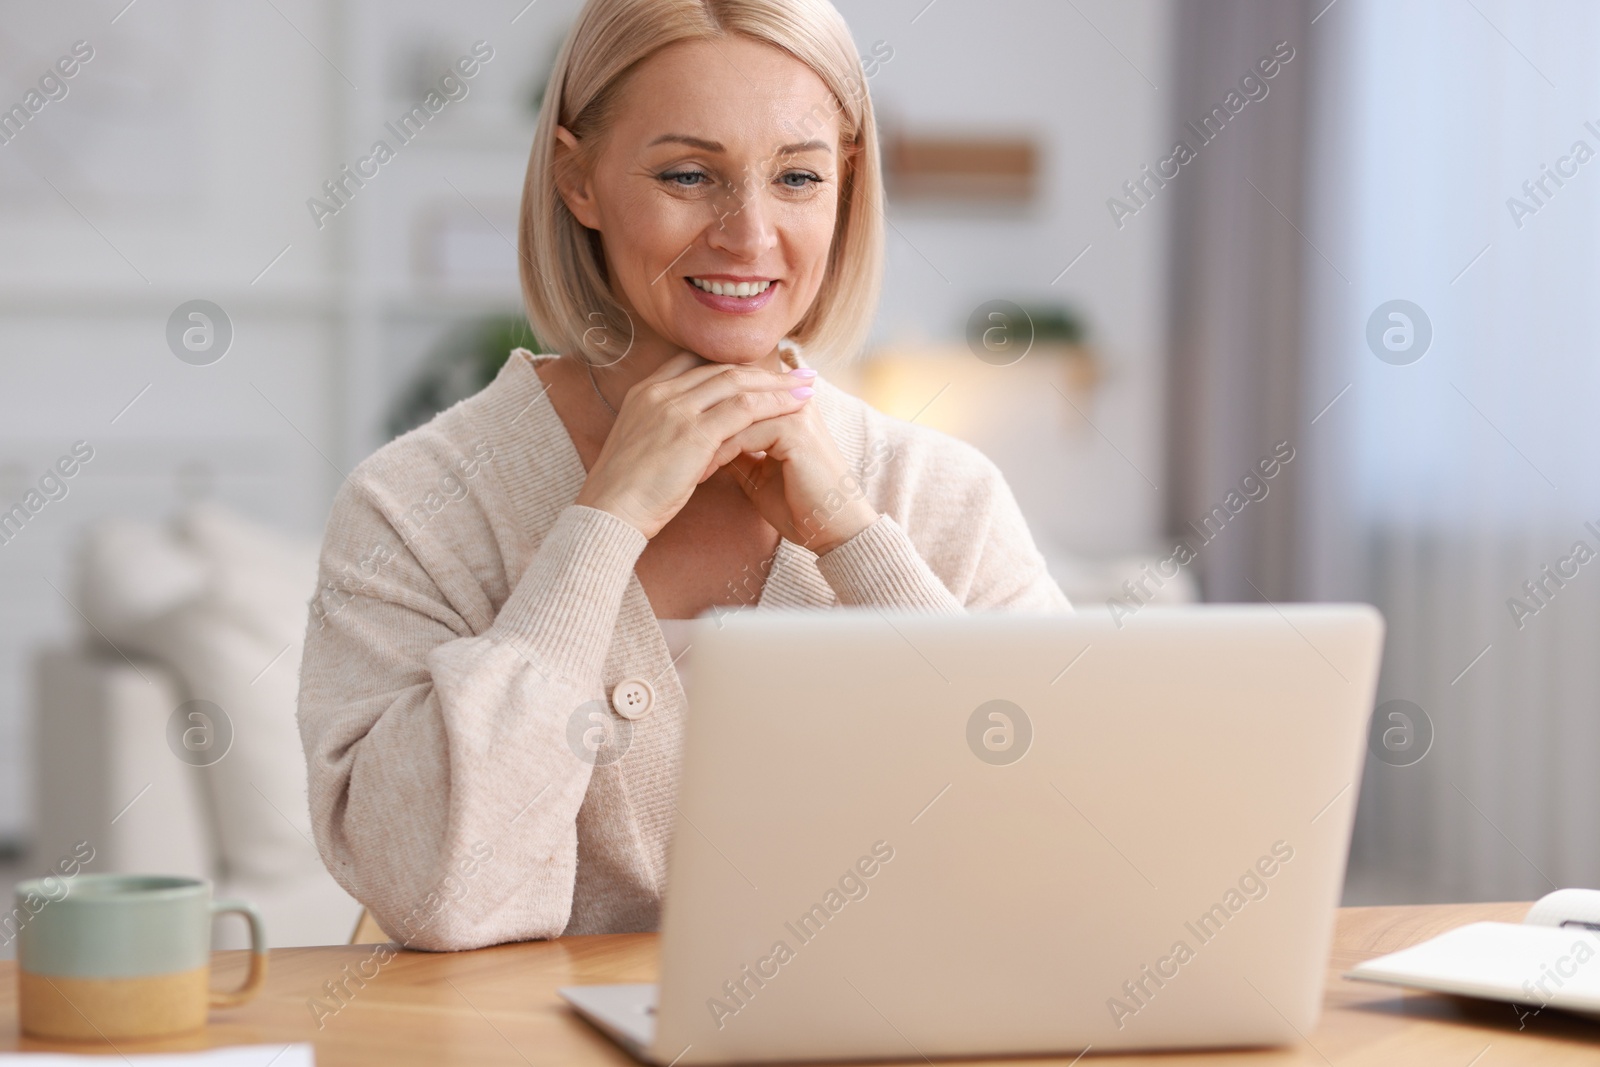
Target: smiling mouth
741, 290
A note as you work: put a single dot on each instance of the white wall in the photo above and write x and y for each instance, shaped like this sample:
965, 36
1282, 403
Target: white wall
162, 176
1028, 66
185, 150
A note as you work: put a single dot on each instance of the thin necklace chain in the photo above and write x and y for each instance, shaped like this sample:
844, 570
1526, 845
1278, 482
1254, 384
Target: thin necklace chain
597, 392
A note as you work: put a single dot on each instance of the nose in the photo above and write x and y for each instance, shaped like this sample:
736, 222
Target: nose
744, 225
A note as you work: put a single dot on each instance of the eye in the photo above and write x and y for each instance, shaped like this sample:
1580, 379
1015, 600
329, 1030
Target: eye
686, 179
799, 179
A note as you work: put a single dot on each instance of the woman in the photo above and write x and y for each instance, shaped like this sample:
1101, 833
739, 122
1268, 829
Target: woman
502, 588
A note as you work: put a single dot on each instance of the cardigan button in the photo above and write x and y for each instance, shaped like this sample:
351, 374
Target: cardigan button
633, 698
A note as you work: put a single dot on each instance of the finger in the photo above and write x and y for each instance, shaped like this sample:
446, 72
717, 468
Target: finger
705, 388
759, 437
688, 369
696, 388
748, 468
678, 365
657, 380
743, 410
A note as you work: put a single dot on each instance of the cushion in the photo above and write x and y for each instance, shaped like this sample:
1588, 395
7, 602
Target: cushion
222, 600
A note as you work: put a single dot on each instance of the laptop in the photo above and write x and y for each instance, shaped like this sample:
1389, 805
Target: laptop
910, 836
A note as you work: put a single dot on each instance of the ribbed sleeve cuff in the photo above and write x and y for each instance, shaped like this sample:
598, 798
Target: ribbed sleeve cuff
881, 567
563, 612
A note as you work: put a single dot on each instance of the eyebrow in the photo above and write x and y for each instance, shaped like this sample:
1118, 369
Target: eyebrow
717, 146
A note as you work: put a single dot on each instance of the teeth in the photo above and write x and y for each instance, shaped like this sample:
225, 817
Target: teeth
740, 289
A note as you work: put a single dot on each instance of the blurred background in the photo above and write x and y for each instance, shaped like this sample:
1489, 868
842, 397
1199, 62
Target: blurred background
1135, 248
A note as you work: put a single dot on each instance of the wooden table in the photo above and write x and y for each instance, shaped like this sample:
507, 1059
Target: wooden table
498, 1006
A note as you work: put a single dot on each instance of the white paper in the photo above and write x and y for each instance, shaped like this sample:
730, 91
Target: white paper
1540, 965
297, 1055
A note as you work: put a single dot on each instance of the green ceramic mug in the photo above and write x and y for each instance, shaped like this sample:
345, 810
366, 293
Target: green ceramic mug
108, 956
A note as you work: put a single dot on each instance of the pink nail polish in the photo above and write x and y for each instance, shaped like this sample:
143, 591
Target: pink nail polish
802, 392
803, 372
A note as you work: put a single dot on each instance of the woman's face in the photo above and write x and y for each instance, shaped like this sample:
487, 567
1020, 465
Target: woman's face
715, 192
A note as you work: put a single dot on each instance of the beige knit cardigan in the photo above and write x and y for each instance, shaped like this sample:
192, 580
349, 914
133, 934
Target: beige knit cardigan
467, 609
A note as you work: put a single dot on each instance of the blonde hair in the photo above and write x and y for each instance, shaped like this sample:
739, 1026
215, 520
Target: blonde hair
564, 283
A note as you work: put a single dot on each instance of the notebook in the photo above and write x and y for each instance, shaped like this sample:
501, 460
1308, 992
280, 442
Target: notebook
1549, 960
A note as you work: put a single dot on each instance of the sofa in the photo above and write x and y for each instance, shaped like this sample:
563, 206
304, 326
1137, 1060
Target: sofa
165, 734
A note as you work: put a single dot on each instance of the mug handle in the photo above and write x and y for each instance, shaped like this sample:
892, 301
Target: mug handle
258, 954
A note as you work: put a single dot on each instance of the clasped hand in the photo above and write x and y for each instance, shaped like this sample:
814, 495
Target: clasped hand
689, 419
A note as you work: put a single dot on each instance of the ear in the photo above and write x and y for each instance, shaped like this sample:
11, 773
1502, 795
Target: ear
573, 180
